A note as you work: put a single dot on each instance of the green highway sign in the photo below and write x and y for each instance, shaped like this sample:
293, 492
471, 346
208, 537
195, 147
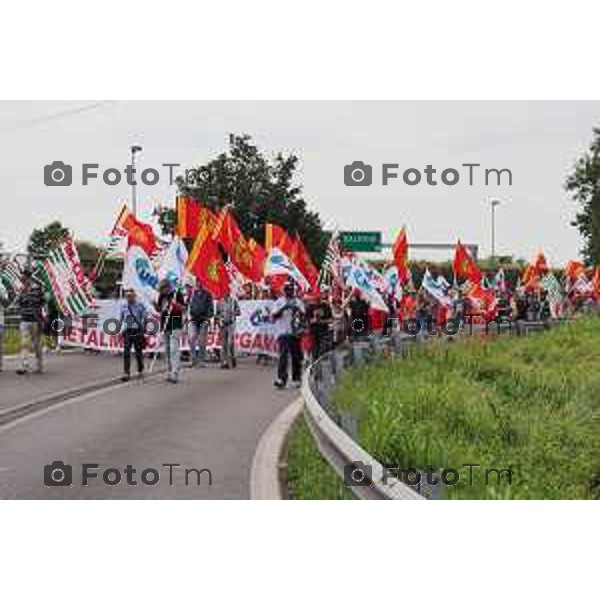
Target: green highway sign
361, 241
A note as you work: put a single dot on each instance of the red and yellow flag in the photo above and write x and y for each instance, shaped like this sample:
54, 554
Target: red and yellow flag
241, 254
206, 264
138, 233
190, 217
464, 265
400, 252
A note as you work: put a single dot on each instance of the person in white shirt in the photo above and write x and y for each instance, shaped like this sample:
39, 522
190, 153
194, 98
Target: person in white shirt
289, 313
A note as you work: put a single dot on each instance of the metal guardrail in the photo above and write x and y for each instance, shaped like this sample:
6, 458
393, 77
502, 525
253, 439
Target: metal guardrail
335, 432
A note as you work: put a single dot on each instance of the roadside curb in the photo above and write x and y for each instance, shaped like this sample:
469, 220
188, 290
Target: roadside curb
265, 482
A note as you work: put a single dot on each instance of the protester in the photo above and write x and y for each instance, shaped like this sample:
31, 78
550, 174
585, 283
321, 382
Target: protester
228, 310
4, 302
201, 308
31, 302
358, 309
289, 313
320, 319
171, 307
133, 319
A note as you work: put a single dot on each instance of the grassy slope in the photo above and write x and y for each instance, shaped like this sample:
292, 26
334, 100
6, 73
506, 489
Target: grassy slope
309, 475
529, 404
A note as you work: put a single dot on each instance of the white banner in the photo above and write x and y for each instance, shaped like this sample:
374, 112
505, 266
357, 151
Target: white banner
254, 334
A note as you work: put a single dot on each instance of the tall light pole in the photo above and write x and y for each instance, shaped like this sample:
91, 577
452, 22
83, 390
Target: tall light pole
495, 202
134, 151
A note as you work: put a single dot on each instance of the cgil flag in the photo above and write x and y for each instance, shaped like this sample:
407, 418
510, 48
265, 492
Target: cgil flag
464, 265
400, 252
241, 253
206, 263
304, 262
138, 233
62, 275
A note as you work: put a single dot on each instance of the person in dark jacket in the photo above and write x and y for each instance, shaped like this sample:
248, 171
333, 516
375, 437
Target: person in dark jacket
133, 319
201, 312
31, 302
171, 306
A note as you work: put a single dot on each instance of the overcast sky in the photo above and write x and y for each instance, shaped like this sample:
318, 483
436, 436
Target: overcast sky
538, 141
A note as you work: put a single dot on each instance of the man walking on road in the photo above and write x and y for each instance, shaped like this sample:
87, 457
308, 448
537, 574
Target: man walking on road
31, 302
289, 312
4, 302
133, 319
201, 312
228, 310
171, 306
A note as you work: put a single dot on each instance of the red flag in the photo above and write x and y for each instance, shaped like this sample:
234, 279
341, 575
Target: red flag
596, 282
464, 266
241, 254
574, 270
400, 252
259, 254
188, 213
206, 264
138, 233
540, 264
533, 271
277, 237
304, 262
483, 302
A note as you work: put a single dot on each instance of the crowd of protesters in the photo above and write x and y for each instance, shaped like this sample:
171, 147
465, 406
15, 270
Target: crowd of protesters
309, 324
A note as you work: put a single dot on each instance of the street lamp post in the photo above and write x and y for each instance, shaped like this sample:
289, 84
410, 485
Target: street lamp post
134, 151
495, 202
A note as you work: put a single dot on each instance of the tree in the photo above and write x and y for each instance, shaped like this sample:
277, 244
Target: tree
259, 191
41, 241
584, 185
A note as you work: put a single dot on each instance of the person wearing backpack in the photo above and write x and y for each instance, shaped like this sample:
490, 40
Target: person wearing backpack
171, 307
201, 312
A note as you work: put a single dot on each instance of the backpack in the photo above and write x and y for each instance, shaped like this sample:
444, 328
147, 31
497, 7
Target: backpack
201, 306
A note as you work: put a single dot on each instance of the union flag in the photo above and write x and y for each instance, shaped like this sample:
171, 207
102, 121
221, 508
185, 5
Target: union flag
190, 216
241, 254
206, 264
400, 252
304, 262
277, 237
464, 266
138, 233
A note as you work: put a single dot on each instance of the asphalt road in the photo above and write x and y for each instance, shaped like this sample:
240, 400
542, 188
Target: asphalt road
212, 420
